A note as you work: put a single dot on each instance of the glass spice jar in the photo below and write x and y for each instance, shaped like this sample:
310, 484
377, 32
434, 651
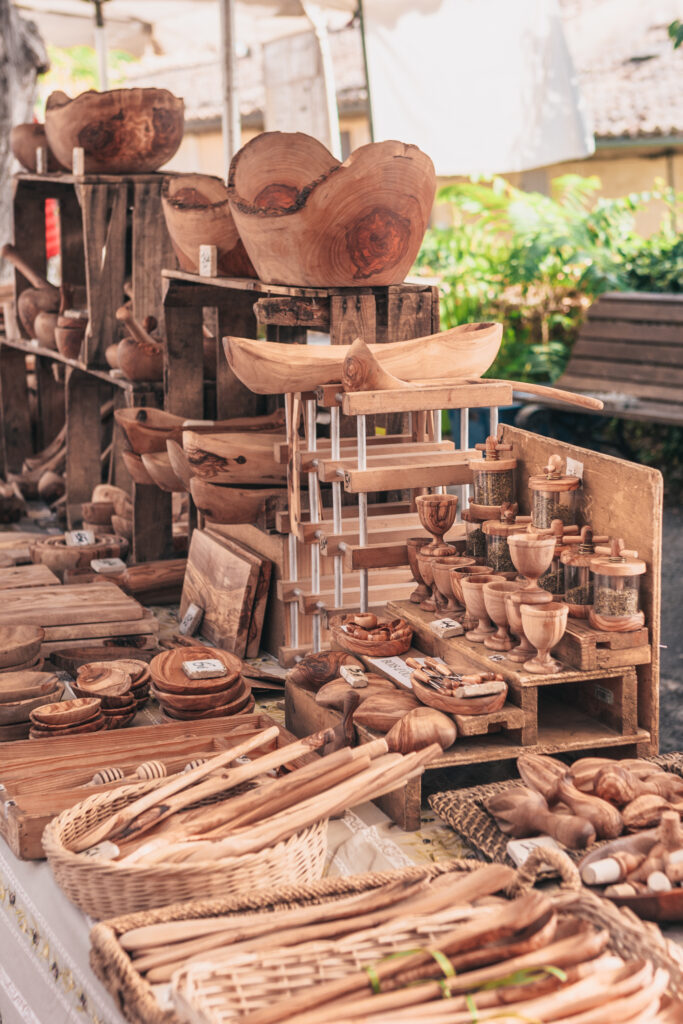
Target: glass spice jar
553, 496
497, 532
578, 582
493, 477
475, 539
616, 590
553, 579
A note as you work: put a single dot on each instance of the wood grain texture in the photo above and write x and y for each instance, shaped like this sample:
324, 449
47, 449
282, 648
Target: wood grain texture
27, 576
234, 458
48, 606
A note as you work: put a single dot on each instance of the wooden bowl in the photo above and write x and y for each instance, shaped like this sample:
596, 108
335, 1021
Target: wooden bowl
398, 644
200, 701
244, 703
103, 678
116, 705
19, 644
168, 676
225, 504
332, 694
457, 705
44, 329
383, 711
140, 361
66, 713
70, 659
123, 131
306, 219
197, 212
122, 526
158, 466
26, 685
57, 555
99, 512
139, 474
39, 732
136, 668
120, 721
235, 458
26, 140
32, 665
12, 712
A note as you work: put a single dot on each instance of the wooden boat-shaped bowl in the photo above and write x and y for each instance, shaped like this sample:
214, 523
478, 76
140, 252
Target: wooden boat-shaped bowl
244, 703
135, 467
200, 701
58, 556
66, 713
19, 644
197, 212
25, 140
234, 458
96, 679
457, 705
140, 360
179, 464
305, 219
148, 429
16, 686
123, 131
372, 648
458, 354
158, 466
13, 712
41, 732
228, 505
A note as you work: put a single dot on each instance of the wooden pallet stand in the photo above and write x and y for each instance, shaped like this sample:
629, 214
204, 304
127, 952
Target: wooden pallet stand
587, 648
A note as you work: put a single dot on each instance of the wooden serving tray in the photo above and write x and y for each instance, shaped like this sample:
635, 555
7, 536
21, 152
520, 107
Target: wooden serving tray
41, 778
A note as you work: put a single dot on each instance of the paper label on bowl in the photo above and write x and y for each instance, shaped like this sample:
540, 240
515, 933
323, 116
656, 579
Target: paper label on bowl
446, 628
189, 623
353, 675
204, 668
77, 538
519, 849
105, 565
208, 261
394, 668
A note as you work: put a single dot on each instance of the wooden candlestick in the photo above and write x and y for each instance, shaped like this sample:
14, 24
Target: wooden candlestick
544, 626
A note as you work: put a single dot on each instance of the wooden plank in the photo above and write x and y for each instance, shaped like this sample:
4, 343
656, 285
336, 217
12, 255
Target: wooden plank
379, 593
152, 526
620, 370
289, 311
330, 470
264, 567
282, 454
641, 308
183, 359
287, 589
83, 441
586, 648
623, 499
125, 630
105, 212
17, 442
151, 250
51, 405
637, 355
351, 317
71, 243
375, 556
71, 605
433, 472
27, 576
233, 398
29, 231
140, 641
632, 331
409, 314
598, 385
445, 396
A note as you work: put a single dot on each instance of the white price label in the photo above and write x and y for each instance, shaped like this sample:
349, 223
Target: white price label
394, 668
189, 623
446, 628
519, 849
354, 675
105, 565
204, 668
574, 468
79, 538
208, 261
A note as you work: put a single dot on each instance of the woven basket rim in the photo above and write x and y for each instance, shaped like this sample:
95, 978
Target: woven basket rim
55, 849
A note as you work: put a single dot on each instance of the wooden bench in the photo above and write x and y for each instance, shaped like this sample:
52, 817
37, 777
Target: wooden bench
629, 353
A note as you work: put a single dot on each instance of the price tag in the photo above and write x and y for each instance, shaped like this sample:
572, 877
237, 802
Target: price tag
446, 628
78, 161
41, 160
519, 849
208, 261
105, 850
603, 694
105, 565
79, 538
394, 668
206, 668
496, 657
574, 468
190, 621
354, 675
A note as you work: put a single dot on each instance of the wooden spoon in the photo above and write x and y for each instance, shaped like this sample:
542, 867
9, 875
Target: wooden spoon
550, 778
522, 812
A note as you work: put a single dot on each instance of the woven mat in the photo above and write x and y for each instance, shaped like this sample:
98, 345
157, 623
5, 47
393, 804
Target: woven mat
464, 811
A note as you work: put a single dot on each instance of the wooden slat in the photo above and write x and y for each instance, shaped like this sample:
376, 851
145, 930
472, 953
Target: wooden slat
91, 602
446, 396
597, 384
644, 310
630, 330
639, 353
376, 556
432, 472
620, 370
431, 451
20, 576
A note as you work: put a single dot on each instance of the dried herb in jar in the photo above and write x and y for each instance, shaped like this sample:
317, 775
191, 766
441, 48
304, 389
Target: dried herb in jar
476, 542
498, 554
553, 579
609, 601
583, 594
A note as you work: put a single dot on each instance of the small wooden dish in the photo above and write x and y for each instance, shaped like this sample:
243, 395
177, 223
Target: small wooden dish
457, 705
38, 732
135, 668
168, 676
118, 704
400, 641
70, 659
120, 721
19, 644
32, 665
103, 678
200, 701
25, 685
233, 708
66, 713
13, 712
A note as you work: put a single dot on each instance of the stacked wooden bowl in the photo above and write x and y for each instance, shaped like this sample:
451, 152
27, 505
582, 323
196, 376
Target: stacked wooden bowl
97, 517
111, 683
20, 648
182, 697
66, 718
21, 693
57, 555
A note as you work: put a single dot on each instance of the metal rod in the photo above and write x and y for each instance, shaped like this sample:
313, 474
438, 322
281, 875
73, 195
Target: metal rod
313, 495
438, 436
464, 445
493, 420
337, 508
362, 509
230, 114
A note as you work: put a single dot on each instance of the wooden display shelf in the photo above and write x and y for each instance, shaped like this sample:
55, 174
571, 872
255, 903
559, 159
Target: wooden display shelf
587, 648
561, 727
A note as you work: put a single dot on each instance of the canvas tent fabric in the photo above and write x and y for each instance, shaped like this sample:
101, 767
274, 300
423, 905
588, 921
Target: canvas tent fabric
483, 86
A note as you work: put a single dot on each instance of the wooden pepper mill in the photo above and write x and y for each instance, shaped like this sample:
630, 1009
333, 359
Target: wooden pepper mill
493, 479
497, 531
553, 496
578, 582
616, 591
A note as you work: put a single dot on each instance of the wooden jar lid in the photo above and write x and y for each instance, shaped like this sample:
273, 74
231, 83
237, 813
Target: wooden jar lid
615, 564
552, 478
489, 461
495, 528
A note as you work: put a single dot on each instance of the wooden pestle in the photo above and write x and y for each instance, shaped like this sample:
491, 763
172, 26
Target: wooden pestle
137, 331
522, 812
36, 280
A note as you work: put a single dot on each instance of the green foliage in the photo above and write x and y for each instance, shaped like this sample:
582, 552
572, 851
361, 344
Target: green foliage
676, 33
74, 69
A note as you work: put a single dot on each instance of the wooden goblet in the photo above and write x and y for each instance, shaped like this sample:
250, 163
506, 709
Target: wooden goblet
437, 515
532, 554
513, 603
422, 592
441, 569
544, 626
494, 600
473, 592
425, 561
457, 574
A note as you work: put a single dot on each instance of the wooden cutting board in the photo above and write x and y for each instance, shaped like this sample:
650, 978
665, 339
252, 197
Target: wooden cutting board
222, 582
27, 576
67, 606
262, 589
146, 625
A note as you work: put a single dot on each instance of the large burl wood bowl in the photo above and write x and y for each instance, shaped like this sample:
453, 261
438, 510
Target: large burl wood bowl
58, 556
229, 505
25, 140
306, 219
197, 212
148, 429
124, 131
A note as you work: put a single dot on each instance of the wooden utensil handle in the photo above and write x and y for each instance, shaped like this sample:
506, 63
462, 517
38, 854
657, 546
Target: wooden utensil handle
9, 253
572, 831
125, 315
543, 391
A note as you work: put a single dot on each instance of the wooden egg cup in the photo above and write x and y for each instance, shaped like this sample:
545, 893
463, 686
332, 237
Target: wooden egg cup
434, 602
531, 555
544, 626
422, 591
494, 600
437, 515
513, 602
473, 592
441, 569
458, 574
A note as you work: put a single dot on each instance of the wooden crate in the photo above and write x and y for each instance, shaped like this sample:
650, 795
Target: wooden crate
588, 648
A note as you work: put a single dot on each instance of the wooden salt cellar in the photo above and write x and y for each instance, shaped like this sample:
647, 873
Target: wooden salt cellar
616, 591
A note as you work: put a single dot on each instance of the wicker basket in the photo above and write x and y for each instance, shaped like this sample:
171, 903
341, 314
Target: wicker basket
105, 888
629, 937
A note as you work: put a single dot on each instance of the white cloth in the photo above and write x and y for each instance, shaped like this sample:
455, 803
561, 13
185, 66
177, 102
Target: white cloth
482, 86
